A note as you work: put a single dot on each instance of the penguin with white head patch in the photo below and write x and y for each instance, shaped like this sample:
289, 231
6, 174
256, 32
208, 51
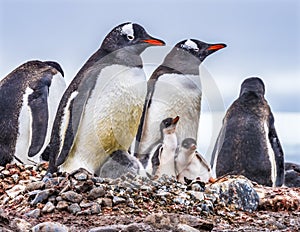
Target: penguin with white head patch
162, 154
174, 89
100, 110
248, 143
29, 97
191, 164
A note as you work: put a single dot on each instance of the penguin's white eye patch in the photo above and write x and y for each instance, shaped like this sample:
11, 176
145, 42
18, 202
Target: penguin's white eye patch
127, 30
189, 44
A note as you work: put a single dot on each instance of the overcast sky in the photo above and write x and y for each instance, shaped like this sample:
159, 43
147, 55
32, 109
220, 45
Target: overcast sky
263, 37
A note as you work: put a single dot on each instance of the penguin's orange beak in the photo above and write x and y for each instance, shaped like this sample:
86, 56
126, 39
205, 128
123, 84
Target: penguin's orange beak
215, 47
155, 42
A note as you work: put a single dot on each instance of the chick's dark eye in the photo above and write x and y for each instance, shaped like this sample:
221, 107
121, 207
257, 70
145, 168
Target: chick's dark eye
130, 37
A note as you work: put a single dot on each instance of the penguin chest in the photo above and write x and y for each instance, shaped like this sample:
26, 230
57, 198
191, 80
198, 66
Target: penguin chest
174, 95
113, 111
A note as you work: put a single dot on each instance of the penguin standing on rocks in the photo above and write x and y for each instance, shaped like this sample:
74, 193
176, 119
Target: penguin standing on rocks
174, 89
29, 97
191, 164
162, 155
101, 109
248, 143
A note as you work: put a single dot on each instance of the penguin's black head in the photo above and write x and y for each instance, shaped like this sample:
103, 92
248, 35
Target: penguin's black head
199, 49
128, 34
168, 125
254, 85
189, 143
55, 65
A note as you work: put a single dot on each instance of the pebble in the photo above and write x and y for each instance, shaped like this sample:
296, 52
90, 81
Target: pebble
107, 202
33, 213
96, 193
61, 205
35, 185
21, 225
72, 196
48, 208
42, 196
15, 191
118, 200
74, 208
50, 227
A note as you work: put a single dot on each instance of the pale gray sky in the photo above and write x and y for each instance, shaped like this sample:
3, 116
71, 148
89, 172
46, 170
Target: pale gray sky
263, 37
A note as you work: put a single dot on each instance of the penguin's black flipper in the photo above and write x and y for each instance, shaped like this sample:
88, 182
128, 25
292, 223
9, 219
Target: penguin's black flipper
38, 103
76, 107
278, 152
150, 89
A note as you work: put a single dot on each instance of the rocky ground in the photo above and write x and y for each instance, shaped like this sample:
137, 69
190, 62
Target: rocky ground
81, 202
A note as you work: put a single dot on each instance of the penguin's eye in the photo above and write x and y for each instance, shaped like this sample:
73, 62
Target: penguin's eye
130, 37
196, 49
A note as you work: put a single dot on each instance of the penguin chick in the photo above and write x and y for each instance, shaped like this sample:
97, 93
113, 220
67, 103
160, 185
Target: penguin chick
190, 164
161, 160
119, 163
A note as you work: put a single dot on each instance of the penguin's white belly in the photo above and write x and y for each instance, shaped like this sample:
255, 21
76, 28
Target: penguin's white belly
25, 130
173, 95
110, 118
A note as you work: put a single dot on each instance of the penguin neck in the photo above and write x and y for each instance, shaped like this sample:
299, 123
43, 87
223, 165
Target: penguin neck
105, 58
182, 61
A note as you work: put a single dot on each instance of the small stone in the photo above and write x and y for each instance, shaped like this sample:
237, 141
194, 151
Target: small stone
20, 225
48, 208
61, 205
97, 180
84, 186
96, 208
72, 196
81, 176
33, 213
74, 208
118, 200
186, 228
85, 204
15, 191
35, 185
49, 226
107, 202
15, 177
96, 192
42, 196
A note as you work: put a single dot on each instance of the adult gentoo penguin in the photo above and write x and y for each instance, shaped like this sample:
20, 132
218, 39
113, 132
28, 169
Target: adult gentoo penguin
100, 110
29, 97
248, 143
174, 89
190, 164
162, 155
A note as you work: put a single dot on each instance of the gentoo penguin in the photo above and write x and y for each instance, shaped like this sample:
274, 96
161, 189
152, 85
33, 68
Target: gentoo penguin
190, 164
174, 89
119, 163
29, 97
248, 143
292, 174
100, 111
162, 154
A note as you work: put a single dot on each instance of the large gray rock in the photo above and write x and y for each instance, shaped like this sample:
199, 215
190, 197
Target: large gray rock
235, 192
